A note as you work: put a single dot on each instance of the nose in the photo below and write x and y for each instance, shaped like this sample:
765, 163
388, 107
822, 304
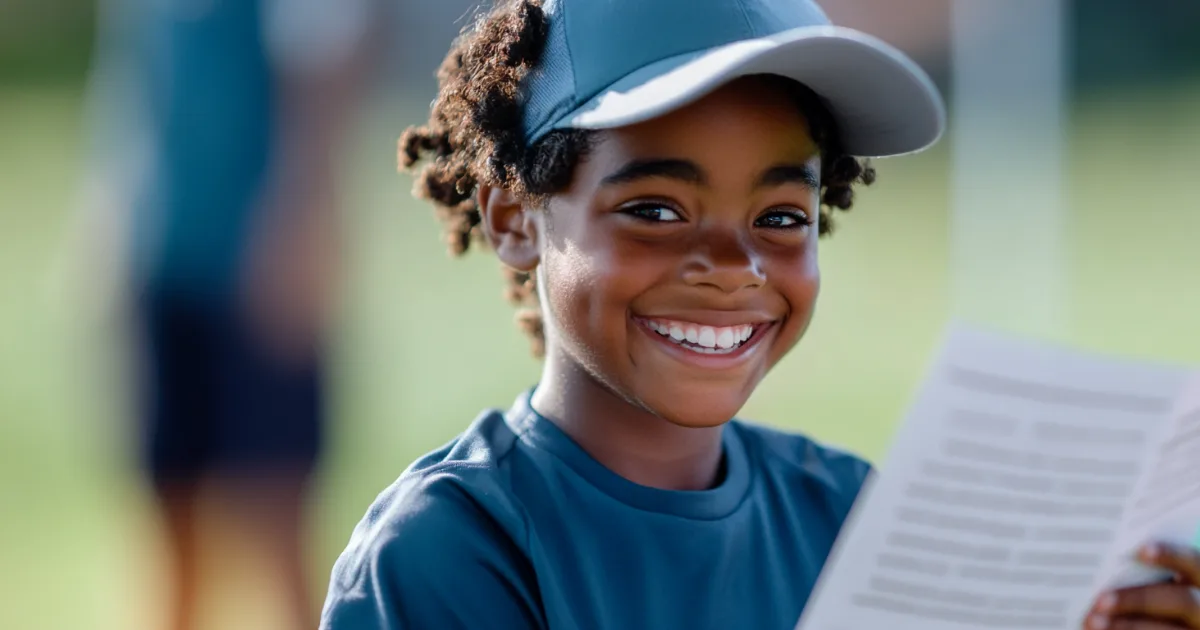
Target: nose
724, 262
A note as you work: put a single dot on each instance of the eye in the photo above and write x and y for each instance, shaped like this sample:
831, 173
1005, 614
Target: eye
784, 220
653, 213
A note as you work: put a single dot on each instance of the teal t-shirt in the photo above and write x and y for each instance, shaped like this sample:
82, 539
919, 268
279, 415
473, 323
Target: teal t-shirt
209, 117
512, 525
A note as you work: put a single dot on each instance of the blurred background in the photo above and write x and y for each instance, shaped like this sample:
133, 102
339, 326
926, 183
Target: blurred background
1062, 203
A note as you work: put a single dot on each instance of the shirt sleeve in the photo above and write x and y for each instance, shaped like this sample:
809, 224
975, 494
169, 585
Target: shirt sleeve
853, 473
432, 558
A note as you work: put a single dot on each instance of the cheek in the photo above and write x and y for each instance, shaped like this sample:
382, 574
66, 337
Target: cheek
589, 293
799, 282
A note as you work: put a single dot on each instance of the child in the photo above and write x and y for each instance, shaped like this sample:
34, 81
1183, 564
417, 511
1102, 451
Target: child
655, 173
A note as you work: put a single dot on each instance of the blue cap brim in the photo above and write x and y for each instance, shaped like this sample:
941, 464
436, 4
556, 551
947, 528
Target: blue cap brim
884, 104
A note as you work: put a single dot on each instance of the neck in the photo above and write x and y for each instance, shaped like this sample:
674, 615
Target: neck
628, 439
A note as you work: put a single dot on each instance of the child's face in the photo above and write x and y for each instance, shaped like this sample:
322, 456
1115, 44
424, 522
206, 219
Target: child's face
700, 224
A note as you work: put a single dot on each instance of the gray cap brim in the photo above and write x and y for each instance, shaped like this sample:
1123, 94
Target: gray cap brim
884, 104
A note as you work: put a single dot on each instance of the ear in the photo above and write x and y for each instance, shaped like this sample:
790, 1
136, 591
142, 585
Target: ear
511, 229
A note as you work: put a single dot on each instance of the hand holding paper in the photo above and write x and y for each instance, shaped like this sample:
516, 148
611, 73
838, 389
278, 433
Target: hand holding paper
1174, 604
1018, 491
1155, 584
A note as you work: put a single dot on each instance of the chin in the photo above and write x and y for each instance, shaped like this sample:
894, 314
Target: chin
711, 408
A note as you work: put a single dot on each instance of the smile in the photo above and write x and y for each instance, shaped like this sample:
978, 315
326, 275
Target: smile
701, 338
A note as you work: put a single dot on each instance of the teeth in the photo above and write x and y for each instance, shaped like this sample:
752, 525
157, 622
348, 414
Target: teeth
704, 339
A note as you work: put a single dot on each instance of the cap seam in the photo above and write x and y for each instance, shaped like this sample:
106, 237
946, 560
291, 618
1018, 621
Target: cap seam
566, 25
741, 5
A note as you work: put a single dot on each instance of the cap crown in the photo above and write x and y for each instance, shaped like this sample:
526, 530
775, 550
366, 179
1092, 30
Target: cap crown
593, 43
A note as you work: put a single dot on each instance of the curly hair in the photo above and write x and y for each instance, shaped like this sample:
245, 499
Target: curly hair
475, 137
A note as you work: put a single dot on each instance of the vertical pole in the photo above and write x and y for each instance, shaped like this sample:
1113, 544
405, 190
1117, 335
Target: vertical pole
1008, 128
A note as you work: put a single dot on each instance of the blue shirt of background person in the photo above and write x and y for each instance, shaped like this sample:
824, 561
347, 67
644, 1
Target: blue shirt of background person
209, 86
192, 104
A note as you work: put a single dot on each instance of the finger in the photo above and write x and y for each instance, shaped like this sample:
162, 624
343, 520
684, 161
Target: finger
1126, 623
1163, 602
1181, 560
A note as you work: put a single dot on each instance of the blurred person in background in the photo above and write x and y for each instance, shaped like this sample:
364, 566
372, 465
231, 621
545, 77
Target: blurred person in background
212, 192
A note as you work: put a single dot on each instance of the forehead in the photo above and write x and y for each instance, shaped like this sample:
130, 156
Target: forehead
751, 122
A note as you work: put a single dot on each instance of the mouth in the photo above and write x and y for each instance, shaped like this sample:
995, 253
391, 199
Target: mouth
702, 340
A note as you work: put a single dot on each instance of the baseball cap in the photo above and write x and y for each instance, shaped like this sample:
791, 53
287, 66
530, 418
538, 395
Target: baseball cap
612, 63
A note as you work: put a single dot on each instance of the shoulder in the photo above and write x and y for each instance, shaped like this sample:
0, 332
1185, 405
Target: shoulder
447, 523
830, 470
449, 495
422, 520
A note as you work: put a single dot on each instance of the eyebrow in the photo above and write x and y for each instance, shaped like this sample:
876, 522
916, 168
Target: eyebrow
689, 173
802, 174
681, 170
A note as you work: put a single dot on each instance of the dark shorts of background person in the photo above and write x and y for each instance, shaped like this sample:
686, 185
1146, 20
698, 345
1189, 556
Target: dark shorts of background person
212, 400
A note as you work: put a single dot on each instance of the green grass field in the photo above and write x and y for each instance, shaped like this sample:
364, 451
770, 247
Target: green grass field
428, 341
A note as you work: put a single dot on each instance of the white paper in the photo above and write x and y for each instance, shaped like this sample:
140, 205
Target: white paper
1001, 497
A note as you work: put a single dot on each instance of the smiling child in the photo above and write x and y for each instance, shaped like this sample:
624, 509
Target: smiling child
655, 175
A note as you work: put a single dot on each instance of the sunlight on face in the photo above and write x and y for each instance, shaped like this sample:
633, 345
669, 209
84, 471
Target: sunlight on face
681, 264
